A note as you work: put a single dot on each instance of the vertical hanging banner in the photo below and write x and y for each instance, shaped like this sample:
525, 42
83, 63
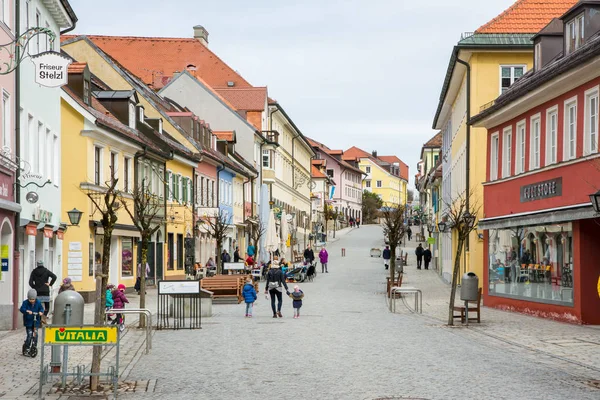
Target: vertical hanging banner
51, 69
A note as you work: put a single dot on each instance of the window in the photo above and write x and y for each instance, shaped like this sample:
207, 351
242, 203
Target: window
520, 161
201, 191
379, 184
56, 169
126, 256
509, 75
32, 142
515, 252
591, 122
97, 165
266, 159
184, 192
507, 153
113, 166
49, 154
159, 184
551, 136
494, 157
126, 166
6, 131
170, 184
131, 115
368, 169
534, 144
570, 132
49, 44
41, 148
575, 33
86, 92
368, 184
178, 189
330, 173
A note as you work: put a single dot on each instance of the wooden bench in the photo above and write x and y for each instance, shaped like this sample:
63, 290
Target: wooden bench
226, 286
462, 311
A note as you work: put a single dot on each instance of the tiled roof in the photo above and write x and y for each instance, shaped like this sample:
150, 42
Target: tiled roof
224, 135
354, 153
435, 141
155, 60
527, 16
315, 173
317, 161
76, 67
246, 99
333, 153
396, 160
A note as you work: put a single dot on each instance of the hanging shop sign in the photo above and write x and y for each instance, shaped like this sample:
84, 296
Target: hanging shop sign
51, 69
541, 190
81, 335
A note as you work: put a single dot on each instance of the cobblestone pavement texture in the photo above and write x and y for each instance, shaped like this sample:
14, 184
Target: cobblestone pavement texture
347, 345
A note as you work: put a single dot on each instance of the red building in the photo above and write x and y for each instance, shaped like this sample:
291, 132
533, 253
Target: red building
540, 229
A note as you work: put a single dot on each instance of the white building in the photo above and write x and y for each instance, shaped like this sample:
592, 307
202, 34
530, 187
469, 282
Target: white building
41, 220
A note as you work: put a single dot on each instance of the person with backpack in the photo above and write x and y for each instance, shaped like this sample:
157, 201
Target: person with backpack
39, 281
387, 255
275, 284
419, 253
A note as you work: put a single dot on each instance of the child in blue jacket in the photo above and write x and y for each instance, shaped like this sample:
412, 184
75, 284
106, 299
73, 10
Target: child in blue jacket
249, 293
30, 308
109, 300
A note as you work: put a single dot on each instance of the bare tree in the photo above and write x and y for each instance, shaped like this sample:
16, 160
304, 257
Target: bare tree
217, 228
256, 233
107, 205
461, 215
145, 212
394, 230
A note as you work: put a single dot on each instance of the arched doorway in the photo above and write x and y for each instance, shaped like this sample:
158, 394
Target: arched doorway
6, 285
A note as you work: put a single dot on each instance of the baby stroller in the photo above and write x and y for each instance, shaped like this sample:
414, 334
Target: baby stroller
297, 274
311, 272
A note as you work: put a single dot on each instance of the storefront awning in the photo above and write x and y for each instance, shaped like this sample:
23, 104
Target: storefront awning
549, 216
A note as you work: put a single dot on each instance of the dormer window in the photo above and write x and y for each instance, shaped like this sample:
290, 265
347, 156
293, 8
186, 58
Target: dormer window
86, 92
142, 116
132, 115
537, 56
575, 34
160, 125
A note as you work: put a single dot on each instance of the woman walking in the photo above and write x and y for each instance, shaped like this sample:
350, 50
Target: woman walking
323, 257
39, 281
274, 286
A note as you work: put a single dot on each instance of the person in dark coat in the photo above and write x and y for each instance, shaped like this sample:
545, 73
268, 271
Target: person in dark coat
38, 280
309, 255
274, 286
236, 255
225, 258
31, 308
409, 233
66, 285
419, 253
297, 295
387, 255
427, 257
250, 297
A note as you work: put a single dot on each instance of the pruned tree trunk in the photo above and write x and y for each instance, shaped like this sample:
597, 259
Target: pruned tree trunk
218, 257
108, 223
455, 272
144, 259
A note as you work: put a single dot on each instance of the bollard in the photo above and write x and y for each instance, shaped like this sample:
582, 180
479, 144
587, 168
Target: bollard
65, 347
343, 252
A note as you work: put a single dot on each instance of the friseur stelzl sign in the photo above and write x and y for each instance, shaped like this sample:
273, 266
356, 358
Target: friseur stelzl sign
51, 69
86, 335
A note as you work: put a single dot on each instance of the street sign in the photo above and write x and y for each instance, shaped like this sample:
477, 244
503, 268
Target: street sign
430, 240
85, 335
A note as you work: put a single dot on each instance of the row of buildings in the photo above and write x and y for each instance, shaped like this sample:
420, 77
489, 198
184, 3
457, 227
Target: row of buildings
518, 131
161, 116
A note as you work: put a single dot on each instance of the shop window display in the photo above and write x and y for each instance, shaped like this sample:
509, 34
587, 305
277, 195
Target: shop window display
126, 257
532, 263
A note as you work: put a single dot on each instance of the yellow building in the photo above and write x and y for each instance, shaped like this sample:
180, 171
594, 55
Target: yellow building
98, 143
386, 176
493, 57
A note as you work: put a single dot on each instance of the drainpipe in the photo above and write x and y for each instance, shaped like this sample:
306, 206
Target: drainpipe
468, 144
17, 188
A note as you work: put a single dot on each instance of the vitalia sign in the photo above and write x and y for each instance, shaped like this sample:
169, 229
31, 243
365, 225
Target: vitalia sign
51, 69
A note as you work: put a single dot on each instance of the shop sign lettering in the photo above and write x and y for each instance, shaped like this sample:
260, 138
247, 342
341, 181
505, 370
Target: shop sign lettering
51, 69
541, 190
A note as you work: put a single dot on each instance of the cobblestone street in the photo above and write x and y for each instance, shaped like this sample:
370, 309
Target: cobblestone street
347, 345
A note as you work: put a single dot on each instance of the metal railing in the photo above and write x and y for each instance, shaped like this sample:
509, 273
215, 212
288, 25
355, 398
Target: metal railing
407, 290
138, 311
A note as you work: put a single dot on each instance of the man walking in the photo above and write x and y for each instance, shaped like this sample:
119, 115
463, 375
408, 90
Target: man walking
309, 255
236, 254
409, 233
419, 254
427, 257
387, 255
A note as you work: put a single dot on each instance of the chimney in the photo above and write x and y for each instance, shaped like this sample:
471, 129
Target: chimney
374, 153
201, 34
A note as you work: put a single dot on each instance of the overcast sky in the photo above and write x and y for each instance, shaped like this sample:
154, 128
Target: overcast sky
364, 73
